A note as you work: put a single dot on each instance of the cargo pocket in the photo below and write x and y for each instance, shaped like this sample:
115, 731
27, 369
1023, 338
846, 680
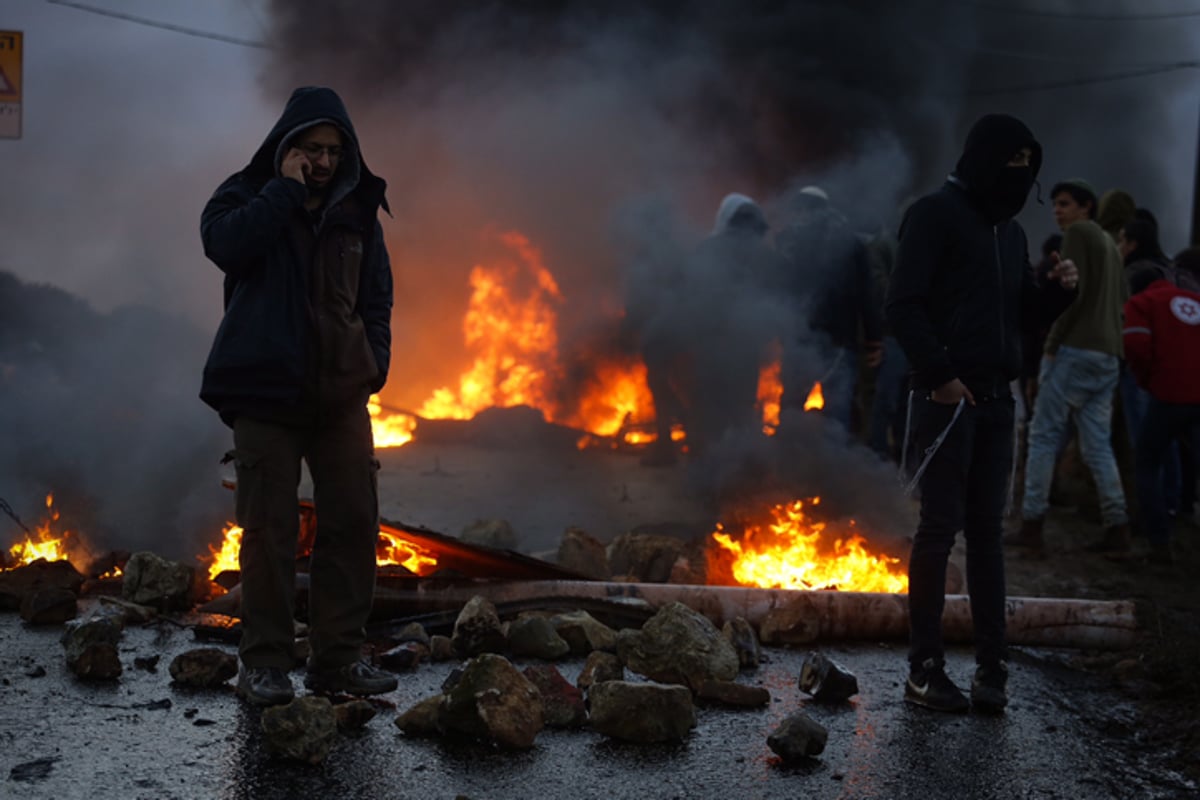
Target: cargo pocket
251, 501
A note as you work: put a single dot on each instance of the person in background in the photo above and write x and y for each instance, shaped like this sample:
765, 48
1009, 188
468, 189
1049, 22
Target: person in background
1035, 334
727, 289
1114, 209
1162, 345
960, 293
830, 282
885, 433
304, 341
1079, 373
1145, 263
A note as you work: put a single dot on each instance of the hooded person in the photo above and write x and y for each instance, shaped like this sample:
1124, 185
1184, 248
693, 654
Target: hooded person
304, 341
832, 286
961, 292
727, 303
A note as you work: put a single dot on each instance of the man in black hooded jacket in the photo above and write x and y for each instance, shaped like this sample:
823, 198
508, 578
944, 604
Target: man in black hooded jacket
960, 290
305, 340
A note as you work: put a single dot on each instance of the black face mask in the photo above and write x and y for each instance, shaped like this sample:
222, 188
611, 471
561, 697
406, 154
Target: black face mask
1009, 193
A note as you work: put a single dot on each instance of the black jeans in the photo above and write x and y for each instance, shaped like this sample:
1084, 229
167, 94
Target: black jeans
965, 488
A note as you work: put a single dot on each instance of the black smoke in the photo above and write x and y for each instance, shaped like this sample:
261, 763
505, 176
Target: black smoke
569, 119
100, 411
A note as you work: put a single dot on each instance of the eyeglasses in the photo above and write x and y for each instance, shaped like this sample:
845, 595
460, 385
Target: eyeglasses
314, 151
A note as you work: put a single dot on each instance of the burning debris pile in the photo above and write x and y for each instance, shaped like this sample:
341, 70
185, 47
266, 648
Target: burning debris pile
510, 334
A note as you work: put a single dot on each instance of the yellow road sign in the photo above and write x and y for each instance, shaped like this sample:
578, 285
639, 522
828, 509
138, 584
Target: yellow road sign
10, 84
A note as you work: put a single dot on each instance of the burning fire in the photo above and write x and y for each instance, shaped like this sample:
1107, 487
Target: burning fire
788, 553
225, 557
49, 545
394, 549
816, 400
511, 330
770, 394
392, 430
391, 548
514, 338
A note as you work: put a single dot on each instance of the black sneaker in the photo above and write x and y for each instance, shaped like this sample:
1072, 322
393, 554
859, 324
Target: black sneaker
988, 688
928, 686
265, 686
358, 678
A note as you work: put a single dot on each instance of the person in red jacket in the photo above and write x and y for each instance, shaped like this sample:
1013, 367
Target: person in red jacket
1162, 347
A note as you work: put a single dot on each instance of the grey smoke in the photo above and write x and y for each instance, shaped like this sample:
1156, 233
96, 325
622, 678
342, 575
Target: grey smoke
566, 120
99, 410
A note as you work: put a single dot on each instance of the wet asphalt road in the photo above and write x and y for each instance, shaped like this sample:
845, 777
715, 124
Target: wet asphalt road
1066, 735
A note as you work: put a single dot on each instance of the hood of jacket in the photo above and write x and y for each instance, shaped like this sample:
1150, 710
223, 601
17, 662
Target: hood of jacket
316, 105
739, 212
992, 142
1115, 209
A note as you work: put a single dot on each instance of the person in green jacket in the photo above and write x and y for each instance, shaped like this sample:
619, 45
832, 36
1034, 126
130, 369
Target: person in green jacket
1079, 372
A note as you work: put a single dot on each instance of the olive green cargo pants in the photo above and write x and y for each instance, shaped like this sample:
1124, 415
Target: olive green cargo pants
341, 459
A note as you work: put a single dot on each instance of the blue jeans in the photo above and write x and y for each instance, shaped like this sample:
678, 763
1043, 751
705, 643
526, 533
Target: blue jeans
890, 391
1162, 423
1075, 385
1136, 400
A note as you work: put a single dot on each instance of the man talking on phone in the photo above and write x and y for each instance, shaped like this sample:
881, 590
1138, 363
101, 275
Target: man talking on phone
305, 340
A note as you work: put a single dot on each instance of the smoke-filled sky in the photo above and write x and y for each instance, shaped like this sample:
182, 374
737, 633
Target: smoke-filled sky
590, 127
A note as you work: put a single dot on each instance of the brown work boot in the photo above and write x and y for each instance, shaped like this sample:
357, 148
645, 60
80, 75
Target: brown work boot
1116, 541
1029, 536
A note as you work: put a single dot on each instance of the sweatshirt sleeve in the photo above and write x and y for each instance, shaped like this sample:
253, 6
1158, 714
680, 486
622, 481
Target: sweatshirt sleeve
918, 259
1138, 337
238, 226
377, 305
1074, 248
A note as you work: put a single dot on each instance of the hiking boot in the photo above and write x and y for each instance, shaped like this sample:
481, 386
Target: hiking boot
928, 686
265, 686
359, 678
988, 688
1116, 541
1029, 536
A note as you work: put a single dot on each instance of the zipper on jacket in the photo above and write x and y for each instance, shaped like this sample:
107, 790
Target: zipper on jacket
1000, 277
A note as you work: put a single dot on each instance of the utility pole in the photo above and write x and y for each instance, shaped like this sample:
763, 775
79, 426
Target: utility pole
1194, 239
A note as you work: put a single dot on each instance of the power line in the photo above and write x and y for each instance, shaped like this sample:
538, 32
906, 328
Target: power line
1083, 16
1089, 81
166, 26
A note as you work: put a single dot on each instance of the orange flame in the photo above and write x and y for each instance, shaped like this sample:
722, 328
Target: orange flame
390, 430
789, 553
391, 548
515, 339
770, 394
511, 330
816, 399
225, 557
49, 545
